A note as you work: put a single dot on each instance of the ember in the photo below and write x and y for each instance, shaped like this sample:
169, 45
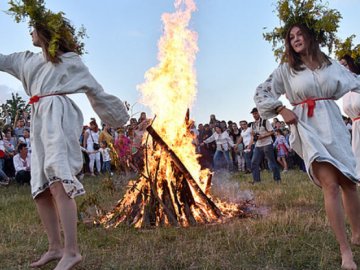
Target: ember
172, 190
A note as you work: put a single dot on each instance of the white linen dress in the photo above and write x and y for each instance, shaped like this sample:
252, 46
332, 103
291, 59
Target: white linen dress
322, 137
56, 121
351, 106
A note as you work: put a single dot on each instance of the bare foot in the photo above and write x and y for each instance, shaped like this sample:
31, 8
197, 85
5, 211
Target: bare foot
347, 261
47, 257
67, 262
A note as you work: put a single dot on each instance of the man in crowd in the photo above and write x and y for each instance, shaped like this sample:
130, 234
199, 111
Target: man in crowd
261, 135
22, 164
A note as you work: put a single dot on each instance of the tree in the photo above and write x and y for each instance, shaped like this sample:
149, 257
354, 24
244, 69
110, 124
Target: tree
15, 105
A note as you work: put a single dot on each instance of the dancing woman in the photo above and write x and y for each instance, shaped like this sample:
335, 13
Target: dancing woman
312, 82
351, 106
49, 77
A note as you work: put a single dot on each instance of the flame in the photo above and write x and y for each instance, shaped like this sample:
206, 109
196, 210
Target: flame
169, 91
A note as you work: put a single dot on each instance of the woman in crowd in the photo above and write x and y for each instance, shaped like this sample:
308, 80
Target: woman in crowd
312, 82
91, 144
223, 141
351, 106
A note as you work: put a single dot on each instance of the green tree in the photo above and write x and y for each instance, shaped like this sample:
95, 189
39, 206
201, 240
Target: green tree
15, 105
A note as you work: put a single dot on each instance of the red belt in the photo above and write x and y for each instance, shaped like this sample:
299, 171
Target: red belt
355, 119
36, 98
311, 102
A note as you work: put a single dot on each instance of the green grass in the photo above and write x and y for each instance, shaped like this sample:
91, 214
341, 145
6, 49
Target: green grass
291, 233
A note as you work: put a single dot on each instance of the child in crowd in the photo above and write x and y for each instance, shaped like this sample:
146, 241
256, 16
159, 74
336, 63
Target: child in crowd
282, 149
240, 157
105, 153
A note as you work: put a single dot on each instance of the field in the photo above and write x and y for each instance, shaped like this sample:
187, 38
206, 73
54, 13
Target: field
290, 231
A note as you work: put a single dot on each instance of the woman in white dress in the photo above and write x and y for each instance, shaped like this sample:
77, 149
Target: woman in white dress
351, 106
56, 124
91, 137
312, 82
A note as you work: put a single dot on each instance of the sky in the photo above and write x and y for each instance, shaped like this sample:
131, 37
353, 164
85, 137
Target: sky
233, 57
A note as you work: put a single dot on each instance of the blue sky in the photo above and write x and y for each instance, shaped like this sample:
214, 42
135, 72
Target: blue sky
233, 57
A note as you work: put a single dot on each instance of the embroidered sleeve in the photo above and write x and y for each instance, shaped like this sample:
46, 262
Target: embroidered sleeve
267, 95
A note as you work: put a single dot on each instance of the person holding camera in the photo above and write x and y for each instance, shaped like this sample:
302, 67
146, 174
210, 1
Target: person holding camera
91, 144
262, 133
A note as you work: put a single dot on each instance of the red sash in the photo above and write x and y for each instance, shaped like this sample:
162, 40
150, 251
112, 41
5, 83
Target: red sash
355, 119
36, 98
311, 102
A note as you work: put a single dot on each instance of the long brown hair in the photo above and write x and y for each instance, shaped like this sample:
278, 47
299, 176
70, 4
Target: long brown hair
294, 58
65, 44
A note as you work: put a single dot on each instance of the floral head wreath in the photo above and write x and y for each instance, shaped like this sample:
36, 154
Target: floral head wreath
321, 20
57, 25
347, 48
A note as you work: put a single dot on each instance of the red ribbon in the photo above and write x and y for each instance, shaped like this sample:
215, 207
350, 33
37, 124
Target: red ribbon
311, 102
355, 119
36, 98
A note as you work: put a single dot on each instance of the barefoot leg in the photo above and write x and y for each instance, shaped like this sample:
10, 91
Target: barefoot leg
49, 218
67, 212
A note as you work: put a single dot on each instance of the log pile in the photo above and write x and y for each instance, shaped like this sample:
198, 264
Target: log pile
176, 200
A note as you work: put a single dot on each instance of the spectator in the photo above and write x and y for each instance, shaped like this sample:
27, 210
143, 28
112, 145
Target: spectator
105, 153
246, 139
222, 139
262, 132
19, 129
282, 149
26, 139
91, 143
4, 179
22, 164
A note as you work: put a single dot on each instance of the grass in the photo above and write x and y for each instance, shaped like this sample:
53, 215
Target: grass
291, 233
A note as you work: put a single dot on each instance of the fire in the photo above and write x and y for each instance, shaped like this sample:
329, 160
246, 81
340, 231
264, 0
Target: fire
170, 88
173, 190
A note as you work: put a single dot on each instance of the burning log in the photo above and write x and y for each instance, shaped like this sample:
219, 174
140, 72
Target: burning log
183, 170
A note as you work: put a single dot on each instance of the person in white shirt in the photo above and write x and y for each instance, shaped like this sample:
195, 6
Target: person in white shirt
223, 141
22, 165
246, 139
105, 153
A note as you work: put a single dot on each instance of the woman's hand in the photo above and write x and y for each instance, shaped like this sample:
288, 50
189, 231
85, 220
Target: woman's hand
289, 116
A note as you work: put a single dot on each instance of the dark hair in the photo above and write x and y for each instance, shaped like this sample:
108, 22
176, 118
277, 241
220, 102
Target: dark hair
65, 44
104, 143
280, 131
353, 67
95, 124
294, 58
21, 146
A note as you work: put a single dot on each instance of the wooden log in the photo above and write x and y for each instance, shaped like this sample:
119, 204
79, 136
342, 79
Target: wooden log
156, 137
208, 184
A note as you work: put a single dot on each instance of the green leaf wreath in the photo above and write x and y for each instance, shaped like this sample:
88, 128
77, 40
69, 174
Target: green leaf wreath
347, 47
58, 26
323, 21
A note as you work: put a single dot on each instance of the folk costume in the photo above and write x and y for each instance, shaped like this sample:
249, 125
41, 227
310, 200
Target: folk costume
56, 120
351, 106
320, 133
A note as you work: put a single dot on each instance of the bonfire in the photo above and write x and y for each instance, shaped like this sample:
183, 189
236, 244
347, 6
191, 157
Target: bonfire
172, 190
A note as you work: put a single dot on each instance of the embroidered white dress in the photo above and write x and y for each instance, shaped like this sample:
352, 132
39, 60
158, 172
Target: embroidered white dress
56, 121
322, 137
351, 106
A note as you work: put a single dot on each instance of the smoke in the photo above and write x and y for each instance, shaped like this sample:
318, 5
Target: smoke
228, 189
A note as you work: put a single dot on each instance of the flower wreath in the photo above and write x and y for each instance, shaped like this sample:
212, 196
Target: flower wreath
58, 26
316, 16
347, 48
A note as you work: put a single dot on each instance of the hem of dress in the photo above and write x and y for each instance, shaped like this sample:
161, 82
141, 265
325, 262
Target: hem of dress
72, 194
320, 159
